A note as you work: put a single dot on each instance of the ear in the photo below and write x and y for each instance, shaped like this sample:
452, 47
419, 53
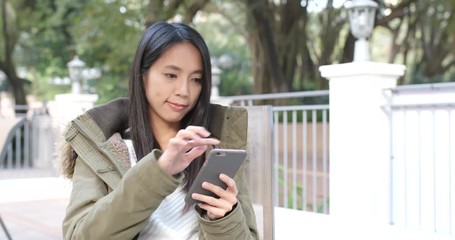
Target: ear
143, 77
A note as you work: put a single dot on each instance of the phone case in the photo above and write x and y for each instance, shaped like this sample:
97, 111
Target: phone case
219, 161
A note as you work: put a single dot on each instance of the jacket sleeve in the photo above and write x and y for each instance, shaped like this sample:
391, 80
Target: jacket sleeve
239, 224
97, 212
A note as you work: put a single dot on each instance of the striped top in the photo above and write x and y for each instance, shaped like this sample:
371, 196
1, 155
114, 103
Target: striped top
168, 221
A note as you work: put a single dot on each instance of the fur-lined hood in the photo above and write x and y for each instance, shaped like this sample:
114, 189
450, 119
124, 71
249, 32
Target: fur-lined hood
66, 156
103, 122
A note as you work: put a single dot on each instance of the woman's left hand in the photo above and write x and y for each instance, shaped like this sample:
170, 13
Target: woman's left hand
218, 208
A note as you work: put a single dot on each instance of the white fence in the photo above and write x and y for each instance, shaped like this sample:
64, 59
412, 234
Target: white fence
423, 157
422, 141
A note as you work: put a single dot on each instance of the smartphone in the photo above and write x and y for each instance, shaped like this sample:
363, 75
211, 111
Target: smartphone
227, 161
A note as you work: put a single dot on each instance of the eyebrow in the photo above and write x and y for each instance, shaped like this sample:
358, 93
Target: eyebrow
173, 67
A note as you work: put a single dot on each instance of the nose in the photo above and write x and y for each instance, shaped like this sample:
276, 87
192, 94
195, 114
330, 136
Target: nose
182, 88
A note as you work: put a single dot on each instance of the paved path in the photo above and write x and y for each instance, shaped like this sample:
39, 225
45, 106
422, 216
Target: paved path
33, 208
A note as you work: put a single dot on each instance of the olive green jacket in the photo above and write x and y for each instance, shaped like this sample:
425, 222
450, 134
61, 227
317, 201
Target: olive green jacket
110, 200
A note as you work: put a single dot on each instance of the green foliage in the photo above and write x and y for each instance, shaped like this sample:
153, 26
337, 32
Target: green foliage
222, 39
319, 206
43, 89
234, 82
45, 43
419, 78
110, 87
105, 34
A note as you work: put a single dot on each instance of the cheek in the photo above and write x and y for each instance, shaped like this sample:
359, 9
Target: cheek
151, 91
197, 90
152, 85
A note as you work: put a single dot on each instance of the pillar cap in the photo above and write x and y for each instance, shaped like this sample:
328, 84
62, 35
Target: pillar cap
362, 68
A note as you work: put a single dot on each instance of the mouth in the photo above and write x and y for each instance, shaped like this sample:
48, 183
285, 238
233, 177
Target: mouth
177, 106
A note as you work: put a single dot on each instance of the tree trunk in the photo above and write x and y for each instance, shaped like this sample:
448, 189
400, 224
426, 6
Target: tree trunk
158, 11
10, 37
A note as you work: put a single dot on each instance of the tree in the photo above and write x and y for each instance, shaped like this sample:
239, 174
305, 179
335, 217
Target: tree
422, 35
108, 32
35, 36
164, 10
286, 41
9, 39
286, 45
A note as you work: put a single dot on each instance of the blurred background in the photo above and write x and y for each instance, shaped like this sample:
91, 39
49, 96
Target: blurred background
262, 46
61, 57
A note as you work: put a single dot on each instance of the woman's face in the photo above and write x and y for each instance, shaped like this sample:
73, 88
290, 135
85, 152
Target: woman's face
173, 84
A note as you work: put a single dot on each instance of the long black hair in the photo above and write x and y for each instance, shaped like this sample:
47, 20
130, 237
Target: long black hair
158, 38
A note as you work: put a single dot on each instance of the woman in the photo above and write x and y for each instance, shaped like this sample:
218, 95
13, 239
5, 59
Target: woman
136, 191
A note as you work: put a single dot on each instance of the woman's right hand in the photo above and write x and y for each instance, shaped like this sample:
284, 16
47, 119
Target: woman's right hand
188, 144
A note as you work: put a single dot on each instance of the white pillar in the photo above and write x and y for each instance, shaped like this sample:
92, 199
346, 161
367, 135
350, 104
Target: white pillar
68, 106
216, 75
359, 140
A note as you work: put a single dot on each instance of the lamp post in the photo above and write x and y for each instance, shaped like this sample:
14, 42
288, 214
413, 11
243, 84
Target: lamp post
361, 17
75, 68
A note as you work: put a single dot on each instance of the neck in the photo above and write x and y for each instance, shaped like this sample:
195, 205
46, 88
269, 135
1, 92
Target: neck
163, 132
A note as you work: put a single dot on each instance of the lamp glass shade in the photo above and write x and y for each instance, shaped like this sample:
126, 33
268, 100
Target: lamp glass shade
75, 68
361, 17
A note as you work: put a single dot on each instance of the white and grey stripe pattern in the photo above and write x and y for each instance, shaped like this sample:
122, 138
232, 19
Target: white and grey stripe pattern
169, 222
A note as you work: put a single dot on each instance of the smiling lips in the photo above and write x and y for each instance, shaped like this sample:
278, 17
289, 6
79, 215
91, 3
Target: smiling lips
177, 107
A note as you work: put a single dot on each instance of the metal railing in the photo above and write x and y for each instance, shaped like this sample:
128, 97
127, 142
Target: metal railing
15, 152
422, 145
300, 152
27, 141
301, 149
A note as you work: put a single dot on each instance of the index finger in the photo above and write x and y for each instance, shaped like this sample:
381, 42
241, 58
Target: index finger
201, 131
204, 141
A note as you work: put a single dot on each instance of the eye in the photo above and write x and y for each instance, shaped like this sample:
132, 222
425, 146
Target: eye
198, 80
170, 75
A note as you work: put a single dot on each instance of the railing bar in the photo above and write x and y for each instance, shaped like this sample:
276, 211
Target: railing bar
294, 159
421, 106
391, 168
304, 164
324, 161
414, 87
35, 143
434, 170
450, 175
285, 160
301, 107
388, 95
17, 164
276, 157
420, 166
270, 96
405, 172
27, 144
314, 135
9, 161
